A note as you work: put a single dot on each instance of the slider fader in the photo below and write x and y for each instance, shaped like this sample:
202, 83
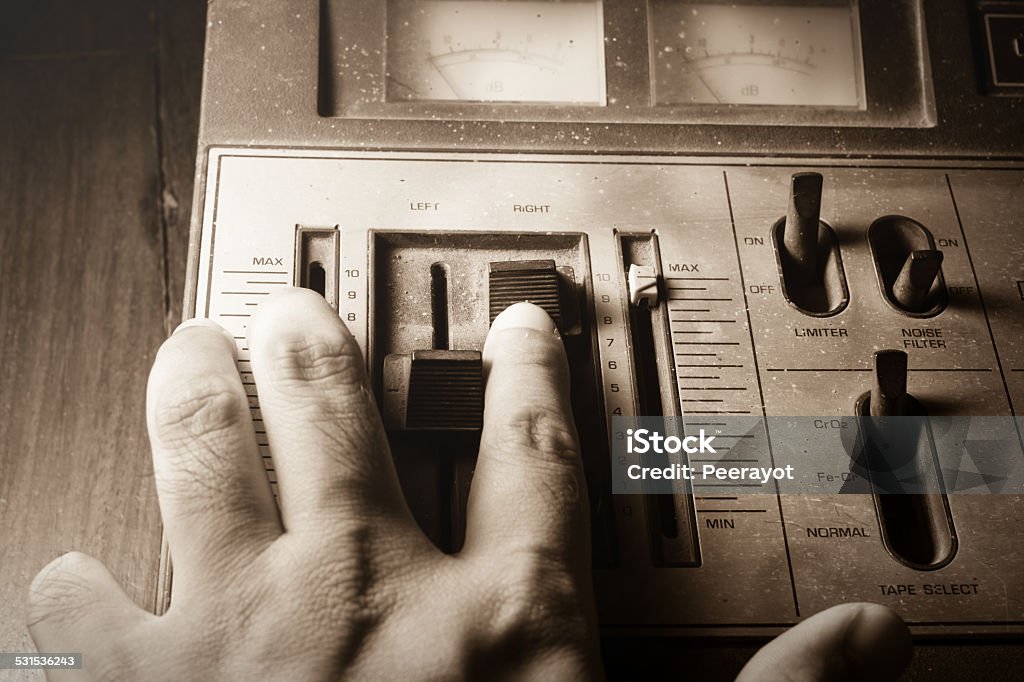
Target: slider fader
845, 246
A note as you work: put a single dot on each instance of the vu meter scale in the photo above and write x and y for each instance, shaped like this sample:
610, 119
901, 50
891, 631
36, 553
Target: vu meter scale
762, 55
503, 52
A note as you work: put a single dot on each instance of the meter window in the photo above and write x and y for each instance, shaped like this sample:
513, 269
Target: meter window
757, 54
492, 51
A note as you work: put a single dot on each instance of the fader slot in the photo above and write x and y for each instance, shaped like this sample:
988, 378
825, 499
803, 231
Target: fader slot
917, 528
316, 261
555, 288
433, 403
443, 318
440, 301
671, 518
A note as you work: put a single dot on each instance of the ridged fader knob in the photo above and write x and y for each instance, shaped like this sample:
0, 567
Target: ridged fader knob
434, 390
534, 281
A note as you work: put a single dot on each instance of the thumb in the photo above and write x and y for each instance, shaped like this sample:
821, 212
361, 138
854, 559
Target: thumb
845, 643
76, 606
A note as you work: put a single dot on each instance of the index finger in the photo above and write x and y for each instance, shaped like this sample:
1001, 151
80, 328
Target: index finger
528, 491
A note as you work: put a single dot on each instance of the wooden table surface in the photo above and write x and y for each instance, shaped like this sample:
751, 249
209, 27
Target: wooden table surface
99, 110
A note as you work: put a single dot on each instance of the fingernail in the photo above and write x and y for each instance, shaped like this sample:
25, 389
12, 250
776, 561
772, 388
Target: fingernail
208, 324
524, 316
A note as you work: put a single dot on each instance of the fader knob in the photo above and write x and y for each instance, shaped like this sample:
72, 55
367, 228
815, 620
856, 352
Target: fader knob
889, 388
533, 281
800, 235
916, 279
642, 281
434, 390
540, 282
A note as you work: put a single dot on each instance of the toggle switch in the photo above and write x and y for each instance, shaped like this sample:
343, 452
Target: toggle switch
916, 280
800, 231
917, 528
433, 390
889, 389
539, 282
908, 266
810, 264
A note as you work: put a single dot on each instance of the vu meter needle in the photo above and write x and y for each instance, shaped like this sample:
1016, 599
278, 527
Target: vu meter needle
800, 236
915, 280
889, 388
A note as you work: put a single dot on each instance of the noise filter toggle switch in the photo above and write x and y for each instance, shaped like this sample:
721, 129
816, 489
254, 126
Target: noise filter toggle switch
433, 390
916, 279
908, 266
810, 264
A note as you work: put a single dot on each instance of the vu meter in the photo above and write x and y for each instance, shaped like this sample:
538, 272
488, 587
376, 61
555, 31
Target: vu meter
769, 54
483, 51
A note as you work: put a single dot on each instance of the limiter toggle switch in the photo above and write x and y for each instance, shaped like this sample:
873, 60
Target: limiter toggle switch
800, 232
810, 264
899, 453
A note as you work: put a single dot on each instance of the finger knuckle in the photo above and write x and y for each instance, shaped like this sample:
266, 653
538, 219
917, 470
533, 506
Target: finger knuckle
201, 407
542, 433
329, 359
537, 596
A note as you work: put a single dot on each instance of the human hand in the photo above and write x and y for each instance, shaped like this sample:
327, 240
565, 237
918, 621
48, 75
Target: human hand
341, 582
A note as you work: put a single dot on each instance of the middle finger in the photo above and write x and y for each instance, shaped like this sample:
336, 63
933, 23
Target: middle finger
325, 435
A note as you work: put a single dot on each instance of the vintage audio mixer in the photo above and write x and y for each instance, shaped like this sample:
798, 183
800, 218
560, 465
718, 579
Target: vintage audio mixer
745, 209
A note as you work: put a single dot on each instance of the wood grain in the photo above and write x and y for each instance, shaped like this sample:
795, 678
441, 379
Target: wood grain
85, 277
72, 28
182, 30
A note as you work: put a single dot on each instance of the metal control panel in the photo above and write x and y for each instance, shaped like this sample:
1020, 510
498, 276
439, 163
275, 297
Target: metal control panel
819, 252
738, 346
